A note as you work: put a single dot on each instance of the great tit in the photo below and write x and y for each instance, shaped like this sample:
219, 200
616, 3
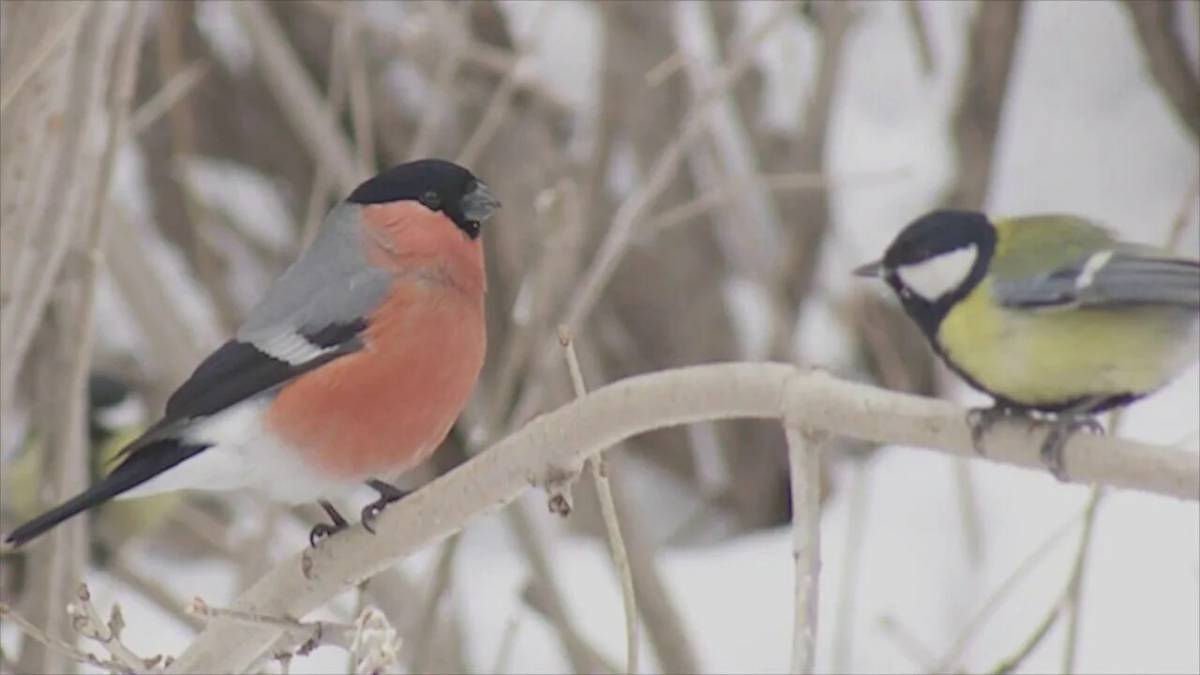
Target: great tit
1048, 314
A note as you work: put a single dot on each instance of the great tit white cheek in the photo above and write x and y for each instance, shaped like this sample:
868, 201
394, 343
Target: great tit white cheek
934, 277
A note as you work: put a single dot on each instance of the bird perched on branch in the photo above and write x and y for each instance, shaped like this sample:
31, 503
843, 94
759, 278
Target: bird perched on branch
1048, 314
352, 367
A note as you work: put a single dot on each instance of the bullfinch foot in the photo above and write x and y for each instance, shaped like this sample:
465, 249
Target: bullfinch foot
387, 494
322, 531
1061, 430
980, 420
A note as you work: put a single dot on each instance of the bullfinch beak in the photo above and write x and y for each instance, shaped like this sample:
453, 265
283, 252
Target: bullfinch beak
873, 270
479, 204
354, 365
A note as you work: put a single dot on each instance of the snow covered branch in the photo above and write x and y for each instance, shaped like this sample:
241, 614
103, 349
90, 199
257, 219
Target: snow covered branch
565, 438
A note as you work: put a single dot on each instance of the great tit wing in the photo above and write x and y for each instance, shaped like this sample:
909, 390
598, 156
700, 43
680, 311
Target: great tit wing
1115, 276
1031, 248
314, 313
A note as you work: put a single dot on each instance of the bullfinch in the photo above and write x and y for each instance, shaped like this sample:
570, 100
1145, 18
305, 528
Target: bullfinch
352, 367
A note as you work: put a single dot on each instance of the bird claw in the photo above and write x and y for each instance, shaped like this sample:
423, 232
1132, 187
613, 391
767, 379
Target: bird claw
322, 531
980, 420
369, 513
1056, 441
387, 495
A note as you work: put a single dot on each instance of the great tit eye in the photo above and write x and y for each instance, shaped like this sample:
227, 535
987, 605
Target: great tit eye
431, 200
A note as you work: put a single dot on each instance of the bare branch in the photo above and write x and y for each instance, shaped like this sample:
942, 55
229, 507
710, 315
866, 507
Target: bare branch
569, 435
69, 651
920, 34
804, 455
428, 622
1074, 594
1065, 599
63, 19
88, 623
950, 662
299, 100
175, 90
1157, 27
984, 85
608, 510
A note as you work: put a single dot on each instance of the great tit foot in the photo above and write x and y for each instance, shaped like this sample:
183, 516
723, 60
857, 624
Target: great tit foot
387, 494
1061, 431
980, 420
322, 531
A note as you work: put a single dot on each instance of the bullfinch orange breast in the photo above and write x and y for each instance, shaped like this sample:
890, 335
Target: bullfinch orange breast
352, 368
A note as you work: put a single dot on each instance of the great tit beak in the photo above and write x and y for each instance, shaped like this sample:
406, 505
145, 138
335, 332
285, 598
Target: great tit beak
873, 270
479, 204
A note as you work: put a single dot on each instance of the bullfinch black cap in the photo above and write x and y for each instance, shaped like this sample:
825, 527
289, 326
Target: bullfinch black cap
438, 185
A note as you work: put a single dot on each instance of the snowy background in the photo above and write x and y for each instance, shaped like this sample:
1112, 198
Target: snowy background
906, 571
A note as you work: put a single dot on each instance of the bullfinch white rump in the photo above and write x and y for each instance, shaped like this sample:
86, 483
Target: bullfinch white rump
353, 366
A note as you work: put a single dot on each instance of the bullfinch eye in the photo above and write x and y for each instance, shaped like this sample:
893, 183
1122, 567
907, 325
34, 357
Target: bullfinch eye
431, 200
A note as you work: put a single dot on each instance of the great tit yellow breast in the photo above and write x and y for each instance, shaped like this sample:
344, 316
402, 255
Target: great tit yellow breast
1043, 358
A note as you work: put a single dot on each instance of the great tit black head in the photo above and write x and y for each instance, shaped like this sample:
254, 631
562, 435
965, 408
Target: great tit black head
935, 262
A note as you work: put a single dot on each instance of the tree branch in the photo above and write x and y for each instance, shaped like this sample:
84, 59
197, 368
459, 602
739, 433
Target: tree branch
804, 455
566, 437
1157, 26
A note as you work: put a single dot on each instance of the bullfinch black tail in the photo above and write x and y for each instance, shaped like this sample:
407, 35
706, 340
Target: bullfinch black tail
140, 466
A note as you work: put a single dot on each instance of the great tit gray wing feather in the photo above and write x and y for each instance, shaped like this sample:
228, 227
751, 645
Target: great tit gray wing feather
1108, 277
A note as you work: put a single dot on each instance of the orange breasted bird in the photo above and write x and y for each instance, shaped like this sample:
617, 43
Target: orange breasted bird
352, 367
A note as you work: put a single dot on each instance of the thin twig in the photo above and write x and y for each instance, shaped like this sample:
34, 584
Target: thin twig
360, 98
308, 634
804, 462
578, 649
1011, 663
298, 96
920, 35
441, 96
856, 521
781, 182
546, 596
60, 647
149, 588
597, 466
1075, 588
428, 621
1158, 28
983, 87
632, 210
55, 35
1175, 235
314, 211
492, 58
1061, 604
175, 90
950, 662
508, 640
88, 623
502, 95
913, 648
